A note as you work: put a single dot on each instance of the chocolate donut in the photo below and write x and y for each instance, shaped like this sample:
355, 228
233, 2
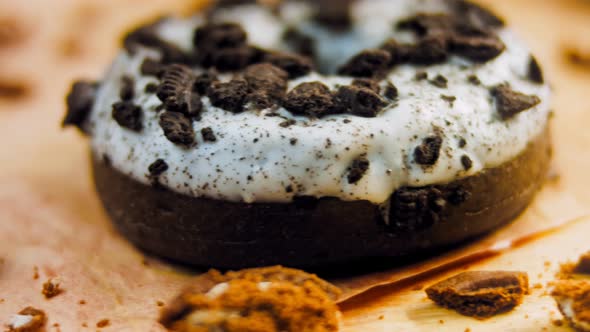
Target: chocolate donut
302, 134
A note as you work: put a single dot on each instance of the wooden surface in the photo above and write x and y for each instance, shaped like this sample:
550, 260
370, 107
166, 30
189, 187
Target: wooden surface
45, 184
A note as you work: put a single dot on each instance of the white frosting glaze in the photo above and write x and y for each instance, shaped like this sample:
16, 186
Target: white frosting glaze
20, 321
567, 307
253, 160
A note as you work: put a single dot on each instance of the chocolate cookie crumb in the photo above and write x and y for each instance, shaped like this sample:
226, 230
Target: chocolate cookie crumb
368, 83
462, 142
13, 89
480, 294
475, 14
203, 81
477, 48
266, 84
368, 63
535, 74
357, 169
509, 102
299, 42
214, 36
103, 323
439, 81
415, 209
51, 288
295, 65
473, 79
128, 115
208, 134
583, 265
391, 92
449, 99
151, 88
158, 167
287, 123
177, 128
79, 103
176, 91
293, 141
573, 300
334, 15
421, 75
466, 162
428, 152
313, 99
578, 57
358, 101
35, 272
151, 67
127, 91
229, 96
147, 36
28, 319
429, 50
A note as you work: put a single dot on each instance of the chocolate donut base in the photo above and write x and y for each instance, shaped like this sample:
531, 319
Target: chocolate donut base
314, 232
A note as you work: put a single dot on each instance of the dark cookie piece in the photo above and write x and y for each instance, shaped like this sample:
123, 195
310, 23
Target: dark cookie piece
535, 73
36, 321
177, 128
423, 24
231, 59
151, 67
230, 96
147, 36
475, 14
439, 81
368, 83
127, 91
176, 91
313, 99
421, 75
295, 65
428, 152
128, 115
398, 53
449, 99
203, 81
215, 36
473, 79
151, 88
509, 102
466, 162
368, 63
429, 50
208, 134
481, 294
335, 15
357, 169
299, 42
266, 83
477, 48
415, 209
358, 101
79, 103
391, 91
157, 167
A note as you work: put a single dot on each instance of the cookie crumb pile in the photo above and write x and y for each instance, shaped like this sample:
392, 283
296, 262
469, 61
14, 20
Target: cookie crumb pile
261, 300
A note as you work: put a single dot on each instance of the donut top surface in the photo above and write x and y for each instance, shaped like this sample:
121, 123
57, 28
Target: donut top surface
262, 104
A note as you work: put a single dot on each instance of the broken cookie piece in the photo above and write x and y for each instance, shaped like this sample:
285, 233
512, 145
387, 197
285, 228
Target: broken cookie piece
265, 299
573, 300
28, 320
480, 294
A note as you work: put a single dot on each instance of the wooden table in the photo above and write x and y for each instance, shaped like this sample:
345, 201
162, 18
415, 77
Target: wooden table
44, 171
